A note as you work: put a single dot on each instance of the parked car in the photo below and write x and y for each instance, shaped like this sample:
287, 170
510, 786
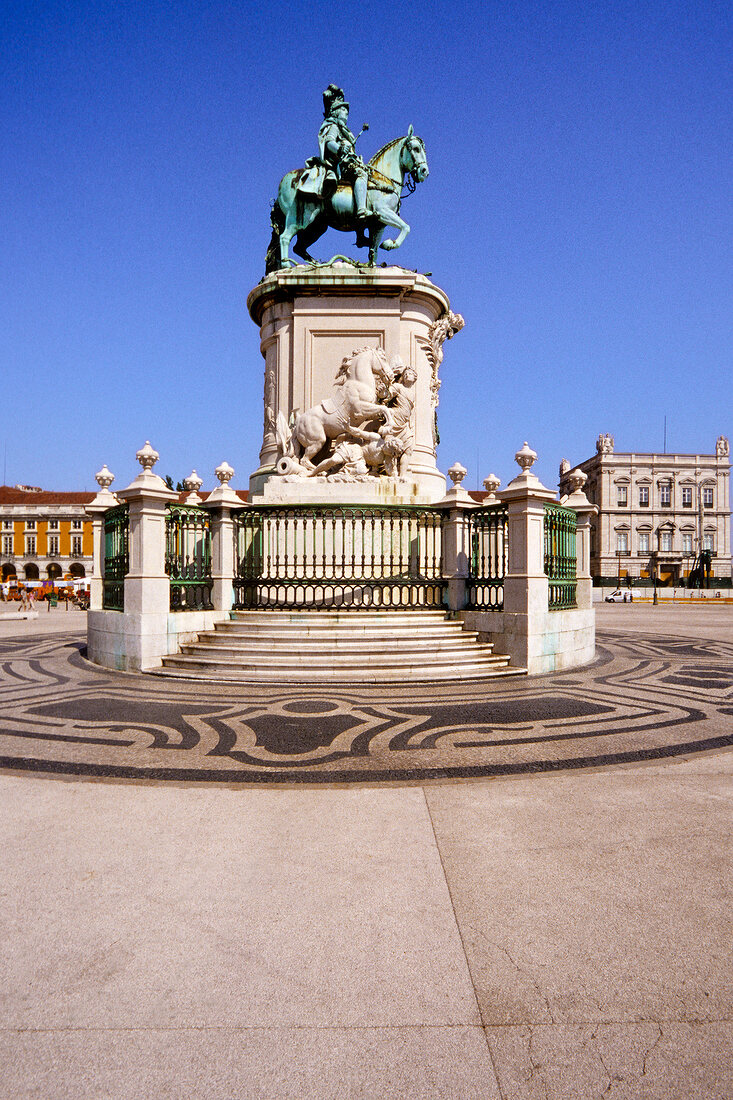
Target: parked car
619, 596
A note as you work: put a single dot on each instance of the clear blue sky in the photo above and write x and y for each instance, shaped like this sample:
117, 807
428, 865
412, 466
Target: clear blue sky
578, 212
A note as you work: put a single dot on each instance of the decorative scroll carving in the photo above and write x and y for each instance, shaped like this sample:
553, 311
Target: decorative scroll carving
441, 330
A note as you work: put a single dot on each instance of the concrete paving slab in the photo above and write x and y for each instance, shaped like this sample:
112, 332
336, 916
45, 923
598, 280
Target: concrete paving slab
649, 1061
145, 907
594, 898
443, 1062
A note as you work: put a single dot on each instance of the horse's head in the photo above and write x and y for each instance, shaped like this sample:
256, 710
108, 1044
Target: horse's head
381, 368
413, 160
364, 362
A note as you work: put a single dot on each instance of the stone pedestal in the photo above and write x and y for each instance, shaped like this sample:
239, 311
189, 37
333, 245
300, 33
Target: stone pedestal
310, 319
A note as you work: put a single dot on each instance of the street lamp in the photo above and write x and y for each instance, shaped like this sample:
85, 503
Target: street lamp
619, 555
655, 601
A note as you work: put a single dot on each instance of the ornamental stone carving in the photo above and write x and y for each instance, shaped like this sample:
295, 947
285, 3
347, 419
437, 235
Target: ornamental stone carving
147, 457
104, 478
269, 429
366, 427
604, 444
441, 330
722, 447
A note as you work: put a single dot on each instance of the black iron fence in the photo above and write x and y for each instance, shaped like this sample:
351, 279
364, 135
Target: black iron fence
188, 557
560, 556
488, 548
345, 557
116, 557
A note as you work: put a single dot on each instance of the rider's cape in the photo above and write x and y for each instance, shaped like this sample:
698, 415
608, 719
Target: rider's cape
313, 179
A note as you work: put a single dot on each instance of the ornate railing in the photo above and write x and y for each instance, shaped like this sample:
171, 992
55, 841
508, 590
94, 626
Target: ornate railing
345, 557
188, 557
488, 547
116, 557
560, 556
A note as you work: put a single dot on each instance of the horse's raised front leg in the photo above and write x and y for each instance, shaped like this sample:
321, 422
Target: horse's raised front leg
389, 217
371, 411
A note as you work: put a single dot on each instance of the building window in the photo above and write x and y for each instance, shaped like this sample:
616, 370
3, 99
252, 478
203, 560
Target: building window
8, 544
643, 496
707, 498
30, 544
686, 543
708, 542
622, 542
30, 525
53, 525
665, 541
7, 525
76, 524
686, 496
643, 542
53, 546
665, 495
76, 546
622, 496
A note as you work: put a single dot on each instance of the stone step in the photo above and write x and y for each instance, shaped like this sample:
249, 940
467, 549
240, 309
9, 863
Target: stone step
234, 644
423, 673
306, 636
337, 657
340, 655
329, 619
323, 647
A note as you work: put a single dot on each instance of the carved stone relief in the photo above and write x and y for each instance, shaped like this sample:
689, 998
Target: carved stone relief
366, 427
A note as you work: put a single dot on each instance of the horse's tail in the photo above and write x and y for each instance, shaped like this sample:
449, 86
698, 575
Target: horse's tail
277, 221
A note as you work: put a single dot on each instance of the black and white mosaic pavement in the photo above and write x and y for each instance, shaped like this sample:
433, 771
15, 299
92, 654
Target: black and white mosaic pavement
646, 697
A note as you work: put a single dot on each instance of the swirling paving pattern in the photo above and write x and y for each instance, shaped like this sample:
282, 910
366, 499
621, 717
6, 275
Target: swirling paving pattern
644, 698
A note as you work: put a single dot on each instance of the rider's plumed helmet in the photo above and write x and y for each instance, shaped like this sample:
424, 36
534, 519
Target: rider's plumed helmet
333, 98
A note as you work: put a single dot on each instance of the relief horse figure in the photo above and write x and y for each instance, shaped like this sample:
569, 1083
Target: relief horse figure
305, 216
362, 378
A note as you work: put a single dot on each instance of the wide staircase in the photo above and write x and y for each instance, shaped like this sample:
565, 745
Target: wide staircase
330, 646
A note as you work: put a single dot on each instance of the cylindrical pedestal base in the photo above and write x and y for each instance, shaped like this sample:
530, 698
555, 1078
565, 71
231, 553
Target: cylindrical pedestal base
312, 318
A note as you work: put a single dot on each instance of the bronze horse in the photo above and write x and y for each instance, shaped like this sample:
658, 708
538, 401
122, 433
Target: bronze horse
307, 217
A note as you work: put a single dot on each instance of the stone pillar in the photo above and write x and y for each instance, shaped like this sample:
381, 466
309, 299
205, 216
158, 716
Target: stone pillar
526, 588
96, 508
578, 501
147, 587
456, 551
222, 503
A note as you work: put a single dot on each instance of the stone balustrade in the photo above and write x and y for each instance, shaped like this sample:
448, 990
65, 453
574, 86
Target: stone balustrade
521, 623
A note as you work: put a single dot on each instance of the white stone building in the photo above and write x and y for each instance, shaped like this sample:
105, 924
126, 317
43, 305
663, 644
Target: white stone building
657, 512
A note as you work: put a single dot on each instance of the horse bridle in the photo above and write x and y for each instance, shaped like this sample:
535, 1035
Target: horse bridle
408, 181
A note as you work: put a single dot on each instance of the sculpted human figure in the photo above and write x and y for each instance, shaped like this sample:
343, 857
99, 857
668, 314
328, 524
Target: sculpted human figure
403, 412
337, 152
347, 457
336, 190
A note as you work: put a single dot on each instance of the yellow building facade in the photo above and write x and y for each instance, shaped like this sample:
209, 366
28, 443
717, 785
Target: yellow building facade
44, 536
